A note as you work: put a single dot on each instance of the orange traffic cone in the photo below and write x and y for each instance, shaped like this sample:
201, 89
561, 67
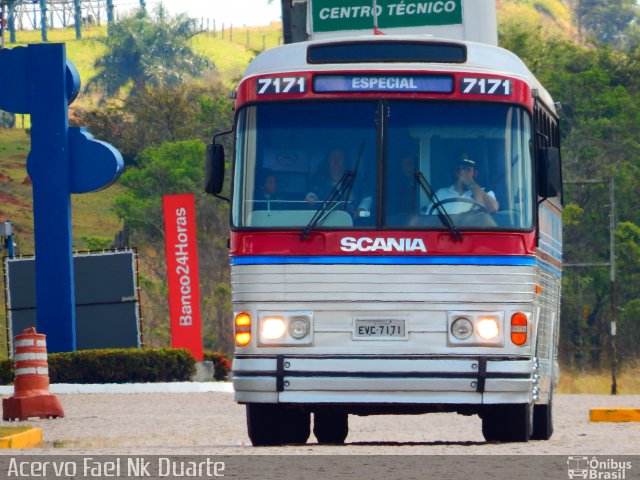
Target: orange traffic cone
31, 397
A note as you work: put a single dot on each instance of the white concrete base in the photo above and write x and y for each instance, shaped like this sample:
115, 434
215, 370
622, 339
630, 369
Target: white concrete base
204, 372
171, 387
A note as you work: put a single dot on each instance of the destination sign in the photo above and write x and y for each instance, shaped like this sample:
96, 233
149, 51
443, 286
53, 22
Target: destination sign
383, 83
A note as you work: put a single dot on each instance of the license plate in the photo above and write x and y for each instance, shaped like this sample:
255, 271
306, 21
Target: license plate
379, 328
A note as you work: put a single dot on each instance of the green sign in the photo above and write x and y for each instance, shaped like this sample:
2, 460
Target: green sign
334, 15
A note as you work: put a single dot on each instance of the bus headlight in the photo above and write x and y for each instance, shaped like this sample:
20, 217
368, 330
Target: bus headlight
462, 328
299, 328
488, 328
475, 329
273, 328
282, 328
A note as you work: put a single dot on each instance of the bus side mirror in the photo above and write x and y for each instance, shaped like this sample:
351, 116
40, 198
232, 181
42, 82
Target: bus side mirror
549, 172
214, 169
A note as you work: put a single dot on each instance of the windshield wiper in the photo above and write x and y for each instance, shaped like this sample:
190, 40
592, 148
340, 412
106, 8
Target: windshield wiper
355, 172
342, 189
442, 213
336, 193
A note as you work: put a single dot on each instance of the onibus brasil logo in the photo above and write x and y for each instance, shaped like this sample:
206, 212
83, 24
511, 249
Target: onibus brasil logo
597, 469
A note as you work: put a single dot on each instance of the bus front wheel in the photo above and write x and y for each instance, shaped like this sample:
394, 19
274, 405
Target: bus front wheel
508, 423
273, 424
330, 428
543, 421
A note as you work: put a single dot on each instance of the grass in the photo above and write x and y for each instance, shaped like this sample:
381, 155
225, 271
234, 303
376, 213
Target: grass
231, 52
573, 381
230, 59
92, 216
15, 195
82, 53
256, 39
91, 212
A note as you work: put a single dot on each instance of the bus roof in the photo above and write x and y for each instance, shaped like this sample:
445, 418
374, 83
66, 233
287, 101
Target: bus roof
481, 58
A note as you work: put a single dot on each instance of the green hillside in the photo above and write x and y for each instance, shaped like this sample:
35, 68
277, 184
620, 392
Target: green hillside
230, 54
94, 222
553, 15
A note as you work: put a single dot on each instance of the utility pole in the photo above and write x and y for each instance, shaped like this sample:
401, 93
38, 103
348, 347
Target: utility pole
43, 20
612, 261
77, 16
287, 27
11, 22
109, 15
3, 16
612, 273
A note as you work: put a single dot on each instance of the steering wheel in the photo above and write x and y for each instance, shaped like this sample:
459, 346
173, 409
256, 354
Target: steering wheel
477, 207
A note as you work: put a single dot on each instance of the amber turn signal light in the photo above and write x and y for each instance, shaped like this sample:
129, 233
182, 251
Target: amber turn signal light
519, 328
242, 325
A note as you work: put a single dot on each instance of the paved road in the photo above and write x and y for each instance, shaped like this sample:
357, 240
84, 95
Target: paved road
213, 424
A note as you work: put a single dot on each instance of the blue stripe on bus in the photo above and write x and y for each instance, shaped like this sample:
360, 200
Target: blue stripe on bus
549, 268
386, 260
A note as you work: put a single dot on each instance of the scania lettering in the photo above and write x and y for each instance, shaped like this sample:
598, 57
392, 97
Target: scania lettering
393, 250
366, 244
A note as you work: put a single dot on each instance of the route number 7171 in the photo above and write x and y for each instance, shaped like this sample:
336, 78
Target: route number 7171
280, 85
485, 86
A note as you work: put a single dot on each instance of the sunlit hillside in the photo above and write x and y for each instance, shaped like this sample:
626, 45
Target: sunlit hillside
230, 51
94, 222
554, 16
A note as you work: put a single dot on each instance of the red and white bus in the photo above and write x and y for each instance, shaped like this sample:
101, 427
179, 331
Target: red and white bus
395, 237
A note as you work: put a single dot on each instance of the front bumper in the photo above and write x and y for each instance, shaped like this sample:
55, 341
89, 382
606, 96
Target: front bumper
368, 379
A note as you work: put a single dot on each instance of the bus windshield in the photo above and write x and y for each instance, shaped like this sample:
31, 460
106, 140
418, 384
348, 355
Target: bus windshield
357, 163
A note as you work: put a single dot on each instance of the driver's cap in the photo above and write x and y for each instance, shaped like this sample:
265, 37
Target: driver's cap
466, 162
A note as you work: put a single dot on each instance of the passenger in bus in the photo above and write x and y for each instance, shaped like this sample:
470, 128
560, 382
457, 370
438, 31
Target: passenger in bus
328, 176
267, 192
465, 194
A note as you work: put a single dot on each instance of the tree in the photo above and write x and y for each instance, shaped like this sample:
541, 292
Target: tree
606, 20
176, 167
158, 115
599, 88
148, 50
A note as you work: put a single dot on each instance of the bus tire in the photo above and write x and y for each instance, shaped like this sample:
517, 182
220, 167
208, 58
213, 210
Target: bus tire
330, 428
508, 423
273, 424
543, 421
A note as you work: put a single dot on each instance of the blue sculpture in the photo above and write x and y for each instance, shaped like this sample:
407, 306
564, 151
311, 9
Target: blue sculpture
40, 81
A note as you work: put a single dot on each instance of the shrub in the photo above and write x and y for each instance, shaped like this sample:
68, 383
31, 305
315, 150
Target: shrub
6, 371
221, 366
115, 366
121, 366
221, 369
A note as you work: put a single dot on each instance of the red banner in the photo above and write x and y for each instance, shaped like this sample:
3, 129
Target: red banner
182, 272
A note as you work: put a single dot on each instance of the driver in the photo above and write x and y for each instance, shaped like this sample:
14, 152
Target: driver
462, 196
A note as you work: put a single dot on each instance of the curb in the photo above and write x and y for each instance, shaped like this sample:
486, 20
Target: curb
614, 415
29, 439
